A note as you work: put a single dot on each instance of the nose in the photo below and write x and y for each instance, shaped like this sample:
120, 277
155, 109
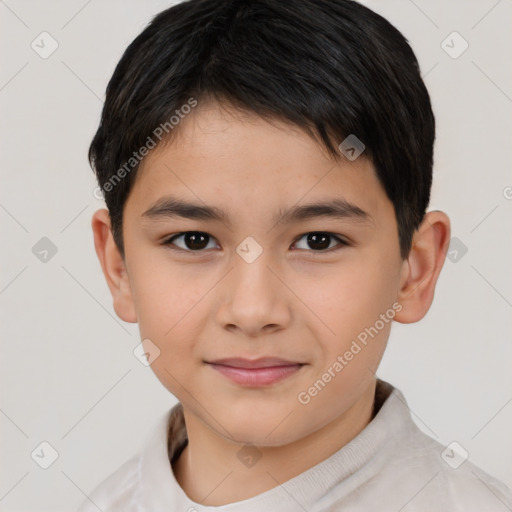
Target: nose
254, 300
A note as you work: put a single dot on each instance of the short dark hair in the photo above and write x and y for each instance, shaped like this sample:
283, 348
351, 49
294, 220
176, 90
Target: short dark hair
330, 67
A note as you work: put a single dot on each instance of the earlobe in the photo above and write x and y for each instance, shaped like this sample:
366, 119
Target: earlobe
113, 266
422, 268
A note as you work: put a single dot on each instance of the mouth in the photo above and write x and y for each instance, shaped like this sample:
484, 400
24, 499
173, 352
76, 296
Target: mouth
256, 372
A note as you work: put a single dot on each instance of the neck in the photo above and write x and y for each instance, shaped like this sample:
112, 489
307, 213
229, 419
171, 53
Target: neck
210, 473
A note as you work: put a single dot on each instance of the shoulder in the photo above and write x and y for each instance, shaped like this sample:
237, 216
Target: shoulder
463, 485
417, 473
443, 476
141, 481
116, 492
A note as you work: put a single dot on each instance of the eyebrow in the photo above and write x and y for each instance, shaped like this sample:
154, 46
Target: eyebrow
171, 207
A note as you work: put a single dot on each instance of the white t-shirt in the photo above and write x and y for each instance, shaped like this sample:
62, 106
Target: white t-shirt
389, 466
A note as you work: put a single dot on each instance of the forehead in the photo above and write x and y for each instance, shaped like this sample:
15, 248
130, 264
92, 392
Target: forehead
231, 158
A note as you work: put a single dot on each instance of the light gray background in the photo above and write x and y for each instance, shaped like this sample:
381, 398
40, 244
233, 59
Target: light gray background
68, 375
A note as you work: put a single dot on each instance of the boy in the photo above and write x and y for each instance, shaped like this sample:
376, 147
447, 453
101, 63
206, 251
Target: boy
267, 168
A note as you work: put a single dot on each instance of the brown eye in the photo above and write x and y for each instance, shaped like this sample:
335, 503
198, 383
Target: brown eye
320, 241
190, 241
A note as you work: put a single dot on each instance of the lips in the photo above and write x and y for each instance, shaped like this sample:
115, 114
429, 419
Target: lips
262, 362
255, 372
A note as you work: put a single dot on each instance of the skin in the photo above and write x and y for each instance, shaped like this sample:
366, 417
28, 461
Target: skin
292, 302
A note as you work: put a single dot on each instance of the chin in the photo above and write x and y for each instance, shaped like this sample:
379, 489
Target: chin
260, 436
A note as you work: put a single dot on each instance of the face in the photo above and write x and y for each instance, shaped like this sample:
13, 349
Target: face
251, 269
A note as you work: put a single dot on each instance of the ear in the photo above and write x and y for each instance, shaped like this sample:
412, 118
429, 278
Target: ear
113, 266
422, 267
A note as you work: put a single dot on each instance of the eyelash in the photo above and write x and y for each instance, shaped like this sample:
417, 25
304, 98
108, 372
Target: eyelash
342, 243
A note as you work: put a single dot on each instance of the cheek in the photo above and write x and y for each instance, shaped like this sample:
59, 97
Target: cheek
350, 296
171, 311
164, 293
171, 318
349, 300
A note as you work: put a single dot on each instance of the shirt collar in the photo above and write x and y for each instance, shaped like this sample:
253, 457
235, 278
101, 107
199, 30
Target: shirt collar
158, 488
